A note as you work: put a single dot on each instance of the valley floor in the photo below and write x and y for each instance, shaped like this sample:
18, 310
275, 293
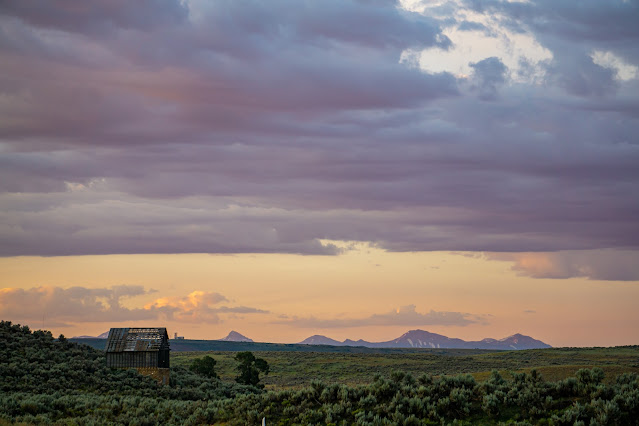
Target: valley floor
290, 370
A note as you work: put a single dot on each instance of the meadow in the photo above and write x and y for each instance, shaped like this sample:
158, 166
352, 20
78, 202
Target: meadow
48, 380
291, 370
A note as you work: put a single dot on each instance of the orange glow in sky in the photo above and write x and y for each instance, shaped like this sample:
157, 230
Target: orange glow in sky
364, 293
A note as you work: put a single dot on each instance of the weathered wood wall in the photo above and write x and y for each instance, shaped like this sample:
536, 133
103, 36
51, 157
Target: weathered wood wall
160, 375
132, 359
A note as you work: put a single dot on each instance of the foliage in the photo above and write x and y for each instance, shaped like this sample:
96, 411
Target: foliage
52, 381
249, 369
205, 367
297, 369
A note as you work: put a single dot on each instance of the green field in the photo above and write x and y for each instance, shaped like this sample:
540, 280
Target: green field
44, 380
295, 366
298, 369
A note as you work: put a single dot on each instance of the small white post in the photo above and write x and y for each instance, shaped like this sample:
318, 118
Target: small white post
263, 421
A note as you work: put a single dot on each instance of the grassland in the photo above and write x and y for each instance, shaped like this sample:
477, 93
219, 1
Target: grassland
294, 366
292, 370
44, 380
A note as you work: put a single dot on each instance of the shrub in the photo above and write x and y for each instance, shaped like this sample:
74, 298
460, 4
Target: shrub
204, 367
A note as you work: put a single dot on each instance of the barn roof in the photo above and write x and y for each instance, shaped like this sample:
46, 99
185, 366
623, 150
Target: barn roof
137, 339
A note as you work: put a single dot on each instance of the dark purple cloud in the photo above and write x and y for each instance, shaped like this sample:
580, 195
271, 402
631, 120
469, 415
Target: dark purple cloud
163, 127
97, 17
489, 74
614, 265
573, 21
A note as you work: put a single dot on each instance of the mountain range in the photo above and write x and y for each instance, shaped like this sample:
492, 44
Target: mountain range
425, 339
411, 339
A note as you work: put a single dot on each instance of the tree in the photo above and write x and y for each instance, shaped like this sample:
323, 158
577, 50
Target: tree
205, 367
249, 369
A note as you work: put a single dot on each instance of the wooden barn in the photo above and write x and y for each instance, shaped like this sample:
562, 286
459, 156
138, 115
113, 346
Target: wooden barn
145, 349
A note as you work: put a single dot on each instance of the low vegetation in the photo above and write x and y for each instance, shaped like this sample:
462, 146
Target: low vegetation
294, 370
44, 380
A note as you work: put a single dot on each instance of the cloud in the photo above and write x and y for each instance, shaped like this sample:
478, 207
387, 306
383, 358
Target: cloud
404, 316
198, 307
613, 265
489, 74
59, 305
583, 77
472, 26
236, 127
568, 30
72, 304
98, 17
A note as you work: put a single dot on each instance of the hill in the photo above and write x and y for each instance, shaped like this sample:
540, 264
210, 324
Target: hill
47, 380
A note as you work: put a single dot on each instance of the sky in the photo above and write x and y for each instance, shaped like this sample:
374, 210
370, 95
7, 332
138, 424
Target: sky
351, 168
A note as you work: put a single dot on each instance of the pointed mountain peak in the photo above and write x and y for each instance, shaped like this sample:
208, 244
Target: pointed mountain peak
234, 336
516, 336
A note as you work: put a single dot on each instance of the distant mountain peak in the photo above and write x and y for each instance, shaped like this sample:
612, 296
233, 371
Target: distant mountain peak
514, 336
318, 339
424, 339
420, 333
520, 341
99, 336
234, 336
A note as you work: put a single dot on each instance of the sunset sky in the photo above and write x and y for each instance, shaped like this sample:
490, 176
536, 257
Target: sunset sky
352, 168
